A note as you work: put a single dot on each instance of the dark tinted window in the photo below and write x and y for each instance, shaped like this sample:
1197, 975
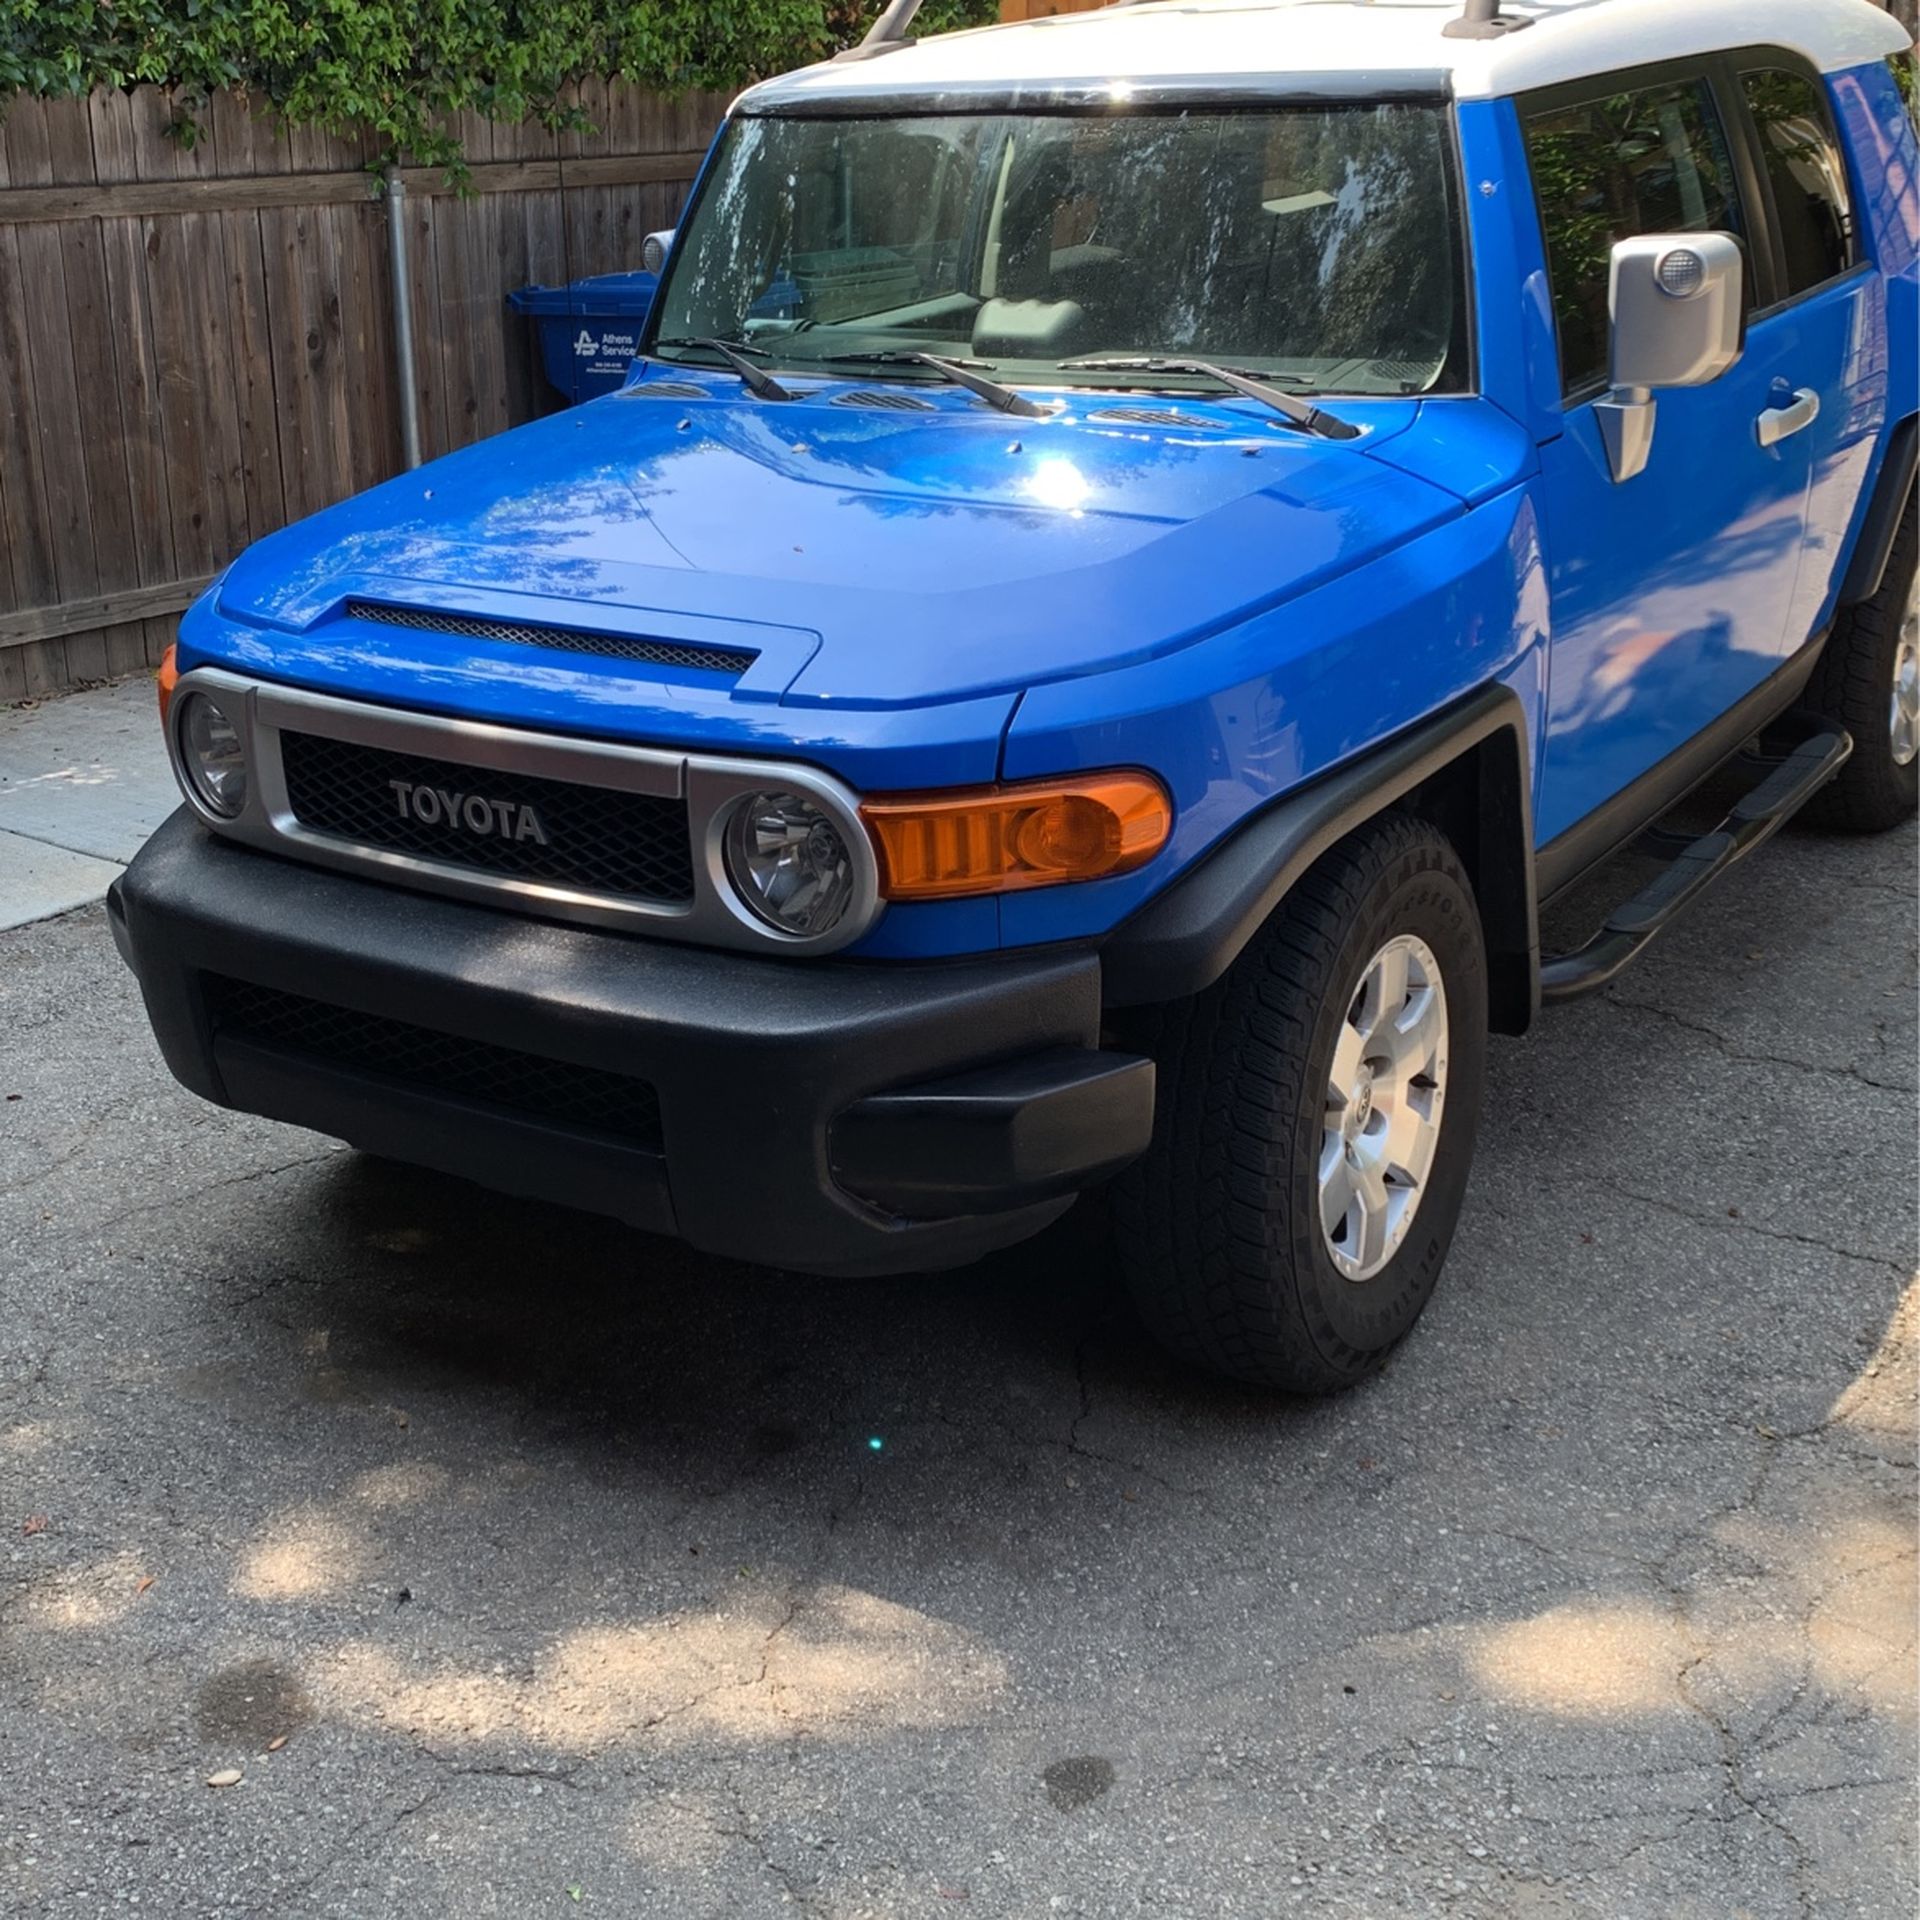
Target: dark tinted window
1808, 176
1651, 161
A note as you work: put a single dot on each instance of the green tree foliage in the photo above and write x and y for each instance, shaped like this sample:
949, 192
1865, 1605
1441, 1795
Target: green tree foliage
402, 67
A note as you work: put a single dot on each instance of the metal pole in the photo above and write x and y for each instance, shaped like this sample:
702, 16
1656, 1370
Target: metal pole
403, 316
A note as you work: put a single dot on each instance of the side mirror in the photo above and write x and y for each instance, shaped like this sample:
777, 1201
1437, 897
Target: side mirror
654, 249
1676, 321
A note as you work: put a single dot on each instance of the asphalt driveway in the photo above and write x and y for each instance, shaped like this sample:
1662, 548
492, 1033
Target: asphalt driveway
520, 1565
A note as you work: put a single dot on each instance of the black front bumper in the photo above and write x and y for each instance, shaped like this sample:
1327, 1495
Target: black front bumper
824, 1116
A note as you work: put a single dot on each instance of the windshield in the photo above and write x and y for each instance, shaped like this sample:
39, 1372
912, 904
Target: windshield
1314, 245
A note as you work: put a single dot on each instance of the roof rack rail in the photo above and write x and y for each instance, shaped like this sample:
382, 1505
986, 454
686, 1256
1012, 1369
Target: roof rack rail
887, 34
1483, 20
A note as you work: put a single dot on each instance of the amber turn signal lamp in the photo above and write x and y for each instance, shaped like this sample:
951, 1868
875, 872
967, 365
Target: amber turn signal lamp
166, 678
1038, 833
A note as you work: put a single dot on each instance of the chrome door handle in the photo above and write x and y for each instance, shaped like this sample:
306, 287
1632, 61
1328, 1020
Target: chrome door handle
1776, 423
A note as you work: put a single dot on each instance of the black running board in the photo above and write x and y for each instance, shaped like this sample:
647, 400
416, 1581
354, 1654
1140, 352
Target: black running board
1695, 865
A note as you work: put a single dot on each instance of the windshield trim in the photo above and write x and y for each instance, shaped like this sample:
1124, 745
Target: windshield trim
1463, 351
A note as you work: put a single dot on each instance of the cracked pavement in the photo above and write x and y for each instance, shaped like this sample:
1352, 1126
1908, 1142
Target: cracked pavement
524, 1565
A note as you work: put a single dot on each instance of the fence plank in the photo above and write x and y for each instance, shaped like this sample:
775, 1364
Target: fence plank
472, 324
50, 357
302, 305
139, 644
218, 400
429, 375
136, 374
366, 341
43, 669
458, 425
134, 380
153, 140
40, 668
110, 128
533, 245
254, 378
97, 610
27, 532
339, 187
100, 405
29, 206
173, 269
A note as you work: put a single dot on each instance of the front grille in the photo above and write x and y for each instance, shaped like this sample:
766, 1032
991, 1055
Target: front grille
596, 839
607, 646
585, 1099
895, 402
1155, 417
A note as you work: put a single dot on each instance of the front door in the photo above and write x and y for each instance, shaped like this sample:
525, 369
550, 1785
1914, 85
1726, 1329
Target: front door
1671, 591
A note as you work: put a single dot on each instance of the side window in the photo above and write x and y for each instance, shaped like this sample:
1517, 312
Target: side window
1807, 174
1651, 161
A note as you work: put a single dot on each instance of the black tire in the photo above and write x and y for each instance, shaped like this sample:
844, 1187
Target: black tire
1218, 1227
1853, 684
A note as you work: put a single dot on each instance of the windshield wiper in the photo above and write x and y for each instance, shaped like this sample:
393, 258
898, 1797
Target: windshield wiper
759, 382
960, 372
1238, 379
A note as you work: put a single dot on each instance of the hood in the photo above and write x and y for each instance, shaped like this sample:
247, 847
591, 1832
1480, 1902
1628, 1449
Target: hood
906, 547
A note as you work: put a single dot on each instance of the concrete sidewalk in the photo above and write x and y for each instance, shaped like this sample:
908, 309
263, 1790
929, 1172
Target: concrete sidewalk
83, 781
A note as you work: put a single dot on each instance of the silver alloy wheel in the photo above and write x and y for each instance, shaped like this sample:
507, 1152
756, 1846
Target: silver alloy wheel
1903, 718
1385, 1092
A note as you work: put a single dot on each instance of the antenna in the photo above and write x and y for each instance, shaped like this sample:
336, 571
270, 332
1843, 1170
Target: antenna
886, 34
1483, 20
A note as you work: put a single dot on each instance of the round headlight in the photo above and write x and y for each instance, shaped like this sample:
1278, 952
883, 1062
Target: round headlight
213, 755
789, 862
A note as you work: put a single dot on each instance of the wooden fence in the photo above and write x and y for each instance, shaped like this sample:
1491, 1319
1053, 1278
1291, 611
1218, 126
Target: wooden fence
195, 343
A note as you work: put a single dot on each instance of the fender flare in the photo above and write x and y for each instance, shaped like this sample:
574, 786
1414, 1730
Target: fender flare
1468, 767
1892, 490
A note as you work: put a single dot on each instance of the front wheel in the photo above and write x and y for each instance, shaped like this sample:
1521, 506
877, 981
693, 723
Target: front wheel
1315, 1122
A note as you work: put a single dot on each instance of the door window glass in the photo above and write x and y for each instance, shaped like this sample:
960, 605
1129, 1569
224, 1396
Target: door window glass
1654, 160
1808, 177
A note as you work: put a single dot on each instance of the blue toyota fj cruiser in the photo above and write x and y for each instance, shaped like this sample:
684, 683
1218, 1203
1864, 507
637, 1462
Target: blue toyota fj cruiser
1137, 551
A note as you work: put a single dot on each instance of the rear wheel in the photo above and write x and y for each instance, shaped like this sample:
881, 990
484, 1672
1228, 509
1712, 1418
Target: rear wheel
1868, 680
1315, 1121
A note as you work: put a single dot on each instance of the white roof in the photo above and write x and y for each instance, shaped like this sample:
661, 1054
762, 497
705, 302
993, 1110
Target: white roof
1221, 43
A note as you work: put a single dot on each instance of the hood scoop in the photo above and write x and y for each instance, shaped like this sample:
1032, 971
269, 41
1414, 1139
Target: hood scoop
607, 646
669, 390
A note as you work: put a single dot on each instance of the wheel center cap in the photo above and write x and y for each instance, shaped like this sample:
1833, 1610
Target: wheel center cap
1361, 1109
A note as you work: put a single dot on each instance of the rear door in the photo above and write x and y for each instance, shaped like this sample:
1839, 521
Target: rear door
1828, 310
1671, 591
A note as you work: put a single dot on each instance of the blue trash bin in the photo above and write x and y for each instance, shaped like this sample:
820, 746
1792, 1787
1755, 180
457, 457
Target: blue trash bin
588, 329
